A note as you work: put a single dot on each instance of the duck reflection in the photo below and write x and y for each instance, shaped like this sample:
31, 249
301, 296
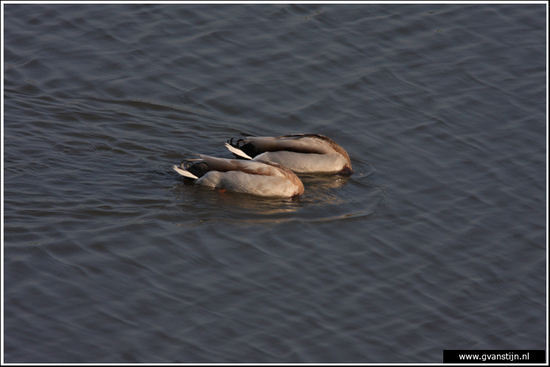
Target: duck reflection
320, 190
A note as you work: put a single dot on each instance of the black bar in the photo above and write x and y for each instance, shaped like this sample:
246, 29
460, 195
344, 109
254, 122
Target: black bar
494, 356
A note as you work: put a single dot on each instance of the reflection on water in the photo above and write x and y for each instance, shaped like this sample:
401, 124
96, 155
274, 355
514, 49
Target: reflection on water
323, 181
197, 198
326, 197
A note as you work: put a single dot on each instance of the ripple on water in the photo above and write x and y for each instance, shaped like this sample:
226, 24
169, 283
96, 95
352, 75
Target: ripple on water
326, 198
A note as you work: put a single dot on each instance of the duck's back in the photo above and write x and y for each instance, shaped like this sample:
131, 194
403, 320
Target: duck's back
262, 185
306, 162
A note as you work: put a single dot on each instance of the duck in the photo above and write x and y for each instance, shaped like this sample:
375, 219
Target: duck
301, 153
254, 177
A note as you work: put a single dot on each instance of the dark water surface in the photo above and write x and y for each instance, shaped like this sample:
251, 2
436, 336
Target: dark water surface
438, 241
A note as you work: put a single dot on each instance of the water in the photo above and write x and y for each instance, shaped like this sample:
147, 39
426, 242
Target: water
438, 241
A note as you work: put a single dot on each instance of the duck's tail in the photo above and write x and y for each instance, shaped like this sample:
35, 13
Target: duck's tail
184, 172
237, 151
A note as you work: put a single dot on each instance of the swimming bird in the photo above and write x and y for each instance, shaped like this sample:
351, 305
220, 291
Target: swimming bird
302, 153
252, 177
